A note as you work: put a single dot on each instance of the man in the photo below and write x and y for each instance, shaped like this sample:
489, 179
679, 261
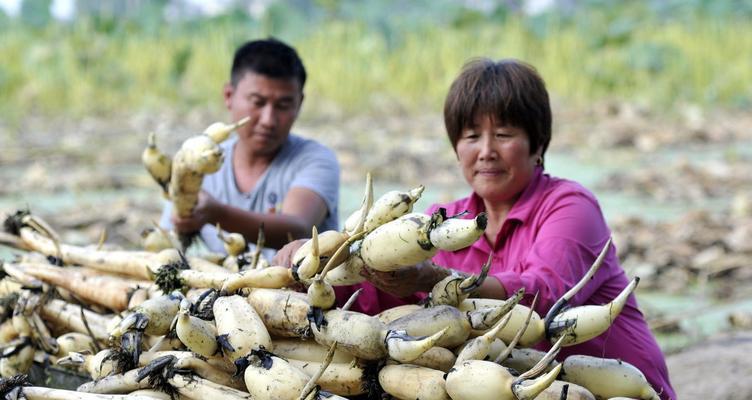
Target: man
269, 176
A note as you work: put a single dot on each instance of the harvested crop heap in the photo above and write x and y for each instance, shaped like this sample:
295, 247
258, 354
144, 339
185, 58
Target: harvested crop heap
181, 176
155, 324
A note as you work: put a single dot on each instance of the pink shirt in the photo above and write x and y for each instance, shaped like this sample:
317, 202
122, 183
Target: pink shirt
550, 237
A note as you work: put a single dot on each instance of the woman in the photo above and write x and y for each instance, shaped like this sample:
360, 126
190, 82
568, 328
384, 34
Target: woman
543, 232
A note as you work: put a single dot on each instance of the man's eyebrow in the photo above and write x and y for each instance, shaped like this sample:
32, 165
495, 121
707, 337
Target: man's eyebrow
285, 99
259, 96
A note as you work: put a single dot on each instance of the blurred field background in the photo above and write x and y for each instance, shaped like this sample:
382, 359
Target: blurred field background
652, 108
111, 56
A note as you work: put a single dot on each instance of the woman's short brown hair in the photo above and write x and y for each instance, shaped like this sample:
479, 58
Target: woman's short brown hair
509, 90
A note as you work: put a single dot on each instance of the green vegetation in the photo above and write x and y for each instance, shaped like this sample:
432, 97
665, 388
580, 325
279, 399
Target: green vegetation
381, 59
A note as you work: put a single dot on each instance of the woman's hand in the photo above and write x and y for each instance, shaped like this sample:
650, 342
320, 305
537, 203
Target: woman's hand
284, 255
406, 281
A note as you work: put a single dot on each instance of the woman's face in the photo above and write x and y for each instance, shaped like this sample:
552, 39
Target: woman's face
496, 160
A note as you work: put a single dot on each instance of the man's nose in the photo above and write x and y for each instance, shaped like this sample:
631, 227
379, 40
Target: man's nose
267, 116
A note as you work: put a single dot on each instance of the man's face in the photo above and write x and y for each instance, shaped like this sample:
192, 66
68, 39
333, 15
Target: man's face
272, 105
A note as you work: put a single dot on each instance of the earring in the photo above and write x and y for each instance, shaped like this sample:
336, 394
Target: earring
539, 161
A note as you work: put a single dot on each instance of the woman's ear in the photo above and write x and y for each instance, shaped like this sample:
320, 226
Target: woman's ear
538, 157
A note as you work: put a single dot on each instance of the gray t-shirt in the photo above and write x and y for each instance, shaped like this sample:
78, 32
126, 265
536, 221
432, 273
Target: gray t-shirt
300, 163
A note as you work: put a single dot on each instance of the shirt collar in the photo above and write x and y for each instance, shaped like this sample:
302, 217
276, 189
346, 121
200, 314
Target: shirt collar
524, 205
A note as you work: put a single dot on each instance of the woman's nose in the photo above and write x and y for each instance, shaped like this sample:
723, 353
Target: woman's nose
487, 151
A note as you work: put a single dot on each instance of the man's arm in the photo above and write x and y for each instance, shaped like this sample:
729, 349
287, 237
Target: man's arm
301, 209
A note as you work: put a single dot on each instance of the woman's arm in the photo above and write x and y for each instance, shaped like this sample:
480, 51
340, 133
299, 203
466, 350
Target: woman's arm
570, 234
409, 280
491, 289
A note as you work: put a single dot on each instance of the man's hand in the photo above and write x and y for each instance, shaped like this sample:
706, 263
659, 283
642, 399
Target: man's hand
406, 281
205, 212
284, 255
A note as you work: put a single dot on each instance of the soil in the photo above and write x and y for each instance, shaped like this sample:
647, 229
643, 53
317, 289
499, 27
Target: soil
718, 368
715, 368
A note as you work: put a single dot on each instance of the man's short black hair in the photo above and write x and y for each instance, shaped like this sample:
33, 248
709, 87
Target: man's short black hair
269, 57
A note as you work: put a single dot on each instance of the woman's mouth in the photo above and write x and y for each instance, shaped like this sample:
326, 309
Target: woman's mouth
488, 172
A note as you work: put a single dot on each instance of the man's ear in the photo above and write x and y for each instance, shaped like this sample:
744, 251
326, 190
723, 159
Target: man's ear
227, 92
302, 97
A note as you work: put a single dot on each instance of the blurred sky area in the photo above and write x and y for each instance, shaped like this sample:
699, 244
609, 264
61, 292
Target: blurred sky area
65, 10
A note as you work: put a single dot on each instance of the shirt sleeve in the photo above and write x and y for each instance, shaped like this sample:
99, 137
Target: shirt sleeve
570, 235
432, 208
165, 221
318, 170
